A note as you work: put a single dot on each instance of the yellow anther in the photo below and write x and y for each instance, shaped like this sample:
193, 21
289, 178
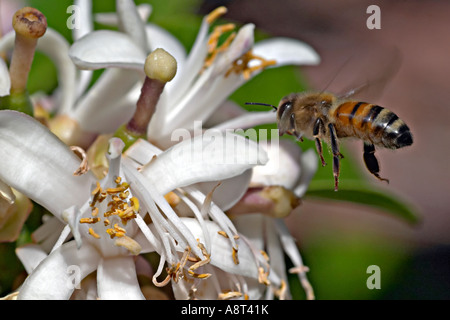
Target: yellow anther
135, 203
119, 189
229, 295
92, 233
236, 237
124, 195
265, 255
94, 212
89, 220
118, 180
281, 292
263, 276
217, 32
235, 256
97, 190
129, 244
199, 275
106, 222
215, 14
223, 234
172, 198
241, 65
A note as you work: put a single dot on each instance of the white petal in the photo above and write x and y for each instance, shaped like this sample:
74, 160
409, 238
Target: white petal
228, 110
309, 166
5, 81
35, 162
230, 190
110, 102
131, 23
105, 49
283, 167
286, 51
183, 80
84, 14
161, 38
117, 279
31, 255
56, 276
111, 18
212, 156
252, 227
54, 45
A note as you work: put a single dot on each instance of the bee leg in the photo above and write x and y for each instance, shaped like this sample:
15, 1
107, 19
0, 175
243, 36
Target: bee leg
371, 161
336, 155
295, 131
316, 130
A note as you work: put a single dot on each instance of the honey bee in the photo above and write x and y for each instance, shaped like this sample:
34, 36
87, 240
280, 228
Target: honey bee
326, 117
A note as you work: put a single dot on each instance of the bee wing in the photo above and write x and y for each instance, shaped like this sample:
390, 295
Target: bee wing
367, 75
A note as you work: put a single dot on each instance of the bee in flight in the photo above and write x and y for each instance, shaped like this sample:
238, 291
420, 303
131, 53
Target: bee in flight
326, 117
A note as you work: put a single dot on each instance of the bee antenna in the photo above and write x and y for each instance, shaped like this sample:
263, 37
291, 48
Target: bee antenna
262, 104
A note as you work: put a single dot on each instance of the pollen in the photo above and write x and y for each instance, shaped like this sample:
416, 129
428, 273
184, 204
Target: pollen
92, 233
229, 295
235, 256
241, 65
213, 41
115, 214
223, 234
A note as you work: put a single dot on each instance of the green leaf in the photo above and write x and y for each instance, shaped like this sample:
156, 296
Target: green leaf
356, 192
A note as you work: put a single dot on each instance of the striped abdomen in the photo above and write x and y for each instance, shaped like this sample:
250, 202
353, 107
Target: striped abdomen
371, 123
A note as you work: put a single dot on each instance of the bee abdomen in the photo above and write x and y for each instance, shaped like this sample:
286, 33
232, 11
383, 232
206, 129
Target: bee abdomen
373, 124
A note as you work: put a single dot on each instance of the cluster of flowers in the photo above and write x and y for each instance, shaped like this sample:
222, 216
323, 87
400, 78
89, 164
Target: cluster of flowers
117, 185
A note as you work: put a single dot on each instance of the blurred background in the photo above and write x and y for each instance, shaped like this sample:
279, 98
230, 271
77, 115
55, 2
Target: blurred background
339, 240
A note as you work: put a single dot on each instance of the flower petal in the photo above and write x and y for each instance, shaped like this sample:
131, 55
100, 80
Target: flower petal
131, 23
309, 165
110, 102
56, 47
230, 190
212, 156
53, 279
283, 167
286, 51
117, 279
111, 18
106, 49
31, 255
161, 38
35, 162
5, 81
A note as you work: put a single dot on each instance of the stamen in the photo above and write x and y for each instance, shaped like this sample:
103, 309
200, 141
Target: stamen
223, 234
235, 256
229, 295
263, 276
199, 275
215, 14
241, 65
89, 220
172, 198
129, 244
213, 48
94, 212
83, 168
281, 292
92, 233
